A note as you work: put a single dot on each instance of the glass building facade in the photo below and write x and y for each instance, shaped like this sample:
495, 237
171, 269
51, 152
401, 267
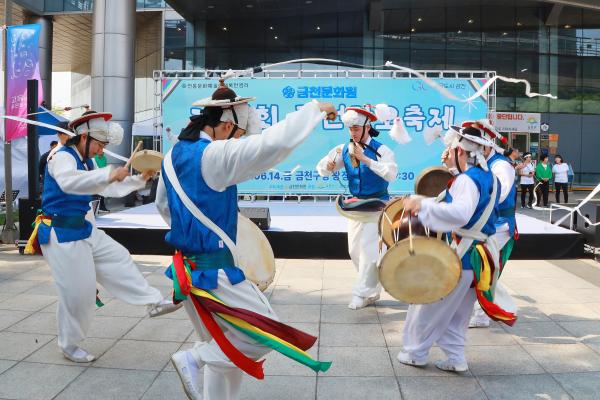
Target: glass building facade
561, 56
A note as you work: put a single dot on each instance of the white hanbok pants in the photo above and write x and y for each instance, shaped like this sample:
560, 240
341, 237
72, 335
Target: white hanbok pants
363, 244
77, 266
222, 379
479, 316
444, 322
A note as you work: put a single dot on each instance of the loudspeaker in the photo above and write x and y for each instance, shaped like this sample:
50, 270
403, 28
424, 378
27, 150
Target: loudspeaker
259, 215
590, 210
558, 213
27, 213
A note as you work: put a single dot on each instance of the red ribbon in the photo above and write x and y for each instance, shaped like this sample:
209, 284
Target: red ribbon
239, 359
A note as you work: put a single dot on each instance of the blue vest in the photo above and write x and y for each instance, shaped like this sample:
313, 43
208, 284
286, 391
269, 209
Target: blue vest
187, 234
362, 182
506, 209
56, 203
484, 181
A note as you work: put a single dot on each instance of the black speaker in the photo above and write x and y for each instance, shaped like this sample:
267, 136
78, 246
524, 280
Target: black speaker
259, 215
591, 210
558, 213
27, 212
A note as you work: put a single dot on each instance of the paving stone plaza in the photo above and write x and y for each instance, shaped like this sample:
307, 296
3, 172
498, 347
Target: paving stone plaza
553, 352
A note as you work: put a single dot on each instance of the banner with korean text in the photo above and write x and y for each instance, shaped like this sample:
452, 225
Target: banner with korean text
22, 64
419, 105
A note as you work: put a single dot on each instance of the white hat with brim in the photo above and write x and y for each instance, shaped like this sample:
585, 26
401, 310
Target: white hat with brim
225, 103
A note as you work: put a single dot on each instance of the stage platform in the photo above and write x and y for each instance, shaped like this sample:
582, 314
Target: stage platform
315, 230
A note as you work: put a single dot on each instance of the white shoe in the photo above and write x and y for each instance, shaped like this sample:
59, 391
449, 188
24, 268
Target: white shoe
163, 307
452, 366
406, 358
77, 354
187, 368
478, 323
358, 302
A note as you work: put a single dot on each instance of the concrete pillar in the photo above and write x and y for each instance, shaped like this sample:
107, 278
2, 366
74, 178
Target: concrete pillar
45, 54
113, 63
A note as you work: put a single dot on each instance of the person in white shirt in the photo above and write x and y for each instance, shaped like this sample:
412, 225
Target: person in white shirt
78, 253
561, 178
207, 163
370, 167
526, 173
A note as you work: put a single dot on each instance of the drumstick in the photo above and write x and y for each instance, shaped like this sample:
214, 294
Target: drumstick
137, 148
337, 152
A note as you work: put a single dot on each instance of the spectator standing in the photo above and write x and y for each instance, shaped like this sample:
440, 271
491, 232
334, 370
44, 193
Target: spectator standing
44, 160
526, 172
561, 178
543, 173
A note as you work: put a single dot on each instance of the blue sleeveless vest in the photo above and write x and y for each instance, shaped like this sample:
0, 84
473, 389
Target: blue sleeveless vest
506, 209
187, 234
57, 203
484, 181
362, 182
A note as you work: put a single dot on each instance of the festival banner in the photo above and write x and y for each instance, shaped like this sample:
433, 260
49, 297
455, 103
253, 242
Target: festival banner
420, 107
22, 63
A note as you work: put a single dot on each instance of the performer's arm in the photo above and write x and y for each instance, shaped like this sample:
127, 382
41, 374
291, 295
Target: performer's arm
386, 166
63, 167
334, 154
228, 162
162, 202
446, 217
506, 175
123, 188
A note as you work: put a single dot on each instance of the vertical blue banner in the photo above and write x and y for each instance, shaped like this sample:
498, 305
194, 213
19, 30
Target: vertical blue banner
22, 63
419, 105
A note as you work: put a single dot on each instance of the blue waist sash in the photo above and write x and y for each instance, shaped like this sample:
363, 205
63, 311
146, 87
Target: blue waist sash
205, 273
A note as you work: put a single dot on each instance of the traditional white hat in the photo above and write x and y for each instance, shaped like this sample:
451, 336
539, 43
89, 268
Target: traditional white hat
235, 108
488, 131
357, 116
97, 126
470, 139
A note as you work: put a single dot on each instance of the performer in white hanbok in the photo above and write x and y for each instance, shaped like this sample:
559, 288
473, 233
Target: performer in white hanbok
197, 197
370, 167
506, 225
78, 253
470, 212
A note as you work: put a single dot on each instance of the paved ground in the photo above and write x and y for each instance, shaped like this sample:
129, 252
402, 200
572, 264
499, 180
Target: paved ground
552, 353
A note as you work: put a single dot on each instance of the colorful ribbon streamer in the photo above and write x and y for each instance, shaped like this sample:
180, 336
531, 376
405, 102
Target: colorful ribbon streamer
283, 338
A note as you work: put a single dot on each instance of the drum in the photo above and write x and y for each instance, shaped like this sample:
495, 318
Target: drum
432, 181
255, 254
147, 161
422, 273
393, 223
363, 210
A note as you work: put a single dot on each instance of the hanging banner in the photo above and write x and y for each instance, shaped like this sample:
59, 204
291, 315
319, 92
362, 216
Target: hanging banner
420, 107
508, 122
22, 63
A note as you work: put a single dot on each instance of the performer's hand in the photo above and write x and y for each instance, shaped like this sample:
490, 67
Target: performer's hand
118, 174
359, 153
412, 204
147, 175
445, 155
330, 166
329, 110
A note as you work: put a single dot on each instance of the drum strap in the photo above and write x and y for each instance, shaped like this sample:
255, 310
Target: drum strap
192, 208
474, 233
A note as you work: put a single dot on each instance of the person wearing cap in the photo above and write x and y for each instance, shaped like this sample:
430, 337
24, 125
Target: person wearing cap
469, 210
370, 167
203, 168
79, 254
527, 172
506, 225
